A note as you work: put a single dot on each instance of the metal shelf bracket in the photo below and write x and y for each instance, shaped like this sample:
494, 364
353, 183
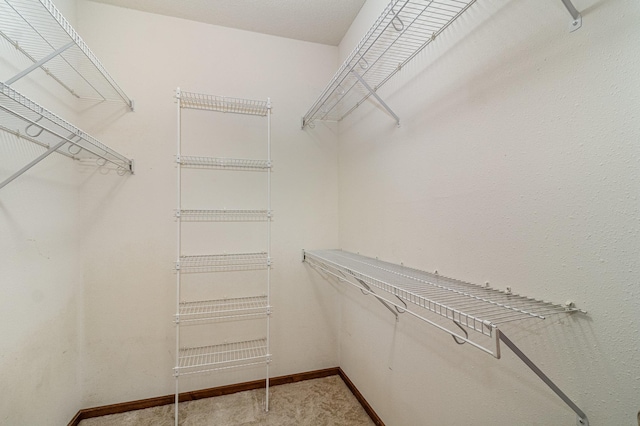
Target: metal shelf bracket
582, 417
375, 95
39, 63
576, 23
35, 161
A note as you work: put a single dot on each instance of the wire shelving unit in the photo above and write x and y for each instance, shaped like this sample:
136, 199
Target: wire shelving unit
48, 45
222, 356
401, 32
25, 119
429, 297
37, 30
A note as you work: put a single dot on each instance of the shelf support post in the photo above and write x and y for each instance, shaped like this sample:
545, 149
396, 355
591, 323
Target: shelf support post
375, 95
577, 17
38, 64
582, 417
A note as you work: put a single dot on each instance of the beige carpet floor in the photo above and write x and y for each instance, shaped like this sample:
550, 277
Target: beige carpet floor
318, 402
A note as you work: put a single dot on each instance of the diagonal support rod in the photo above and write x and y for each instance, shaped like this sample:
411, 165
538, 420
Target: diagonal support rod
571, 8
375, 95
379, 299
32, 163
38, 64
582, 417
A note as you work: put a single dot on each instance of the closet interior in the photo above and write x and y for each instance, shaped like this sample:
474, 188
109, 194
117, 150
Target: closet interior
493, 142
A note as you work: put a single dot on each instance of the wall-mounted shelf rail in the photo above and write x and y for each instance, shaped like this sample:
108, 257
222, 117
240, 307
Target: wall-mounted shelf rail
403, 30
48, 42
26, 119
421, 294
221, 357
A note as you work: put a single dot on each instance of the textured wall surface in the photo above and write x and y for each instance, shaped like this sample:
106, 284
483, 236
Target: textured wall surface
88, 292
40, 283
129, 233
517, 163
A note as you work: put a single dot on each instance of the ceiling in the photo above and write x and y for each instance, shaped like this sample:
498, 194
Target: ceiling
318, 21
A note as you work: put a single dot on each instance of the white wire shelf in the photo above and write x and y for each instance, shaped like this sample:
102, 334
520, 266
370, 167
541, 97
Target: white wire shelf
223, 262
220, 357
468, 306
29, 121
403, 29
224, 215
202, 101
48, 42
235, 308
478, 308
401, 32
224, 163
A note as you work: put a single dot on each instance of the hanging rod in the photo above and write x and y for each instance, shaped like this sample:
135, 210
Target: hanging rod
468, 306
27, 120
38, 30
403, 30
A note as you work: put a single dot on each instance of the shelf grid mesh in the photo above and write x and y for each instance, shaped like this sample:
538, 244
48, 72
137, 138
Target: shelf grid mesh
223, 104
28, 120
403, 29
224, 215
224, 262
240, 307
481, 309
37, 29
224, 163
223, 356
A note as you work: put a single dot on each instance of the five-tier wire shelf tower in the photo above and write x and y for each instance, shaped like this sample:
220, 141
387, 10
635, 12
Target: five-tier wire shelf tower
218, 317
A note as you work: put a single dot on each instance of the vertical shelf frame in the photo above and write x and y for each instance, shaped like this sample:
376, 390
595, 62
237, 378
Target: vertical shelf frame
236, 354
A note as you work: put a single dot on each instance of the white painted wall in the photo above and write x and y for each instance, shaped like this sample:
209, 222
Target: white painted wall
516, 163
89, 295
128, 231
41, 285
